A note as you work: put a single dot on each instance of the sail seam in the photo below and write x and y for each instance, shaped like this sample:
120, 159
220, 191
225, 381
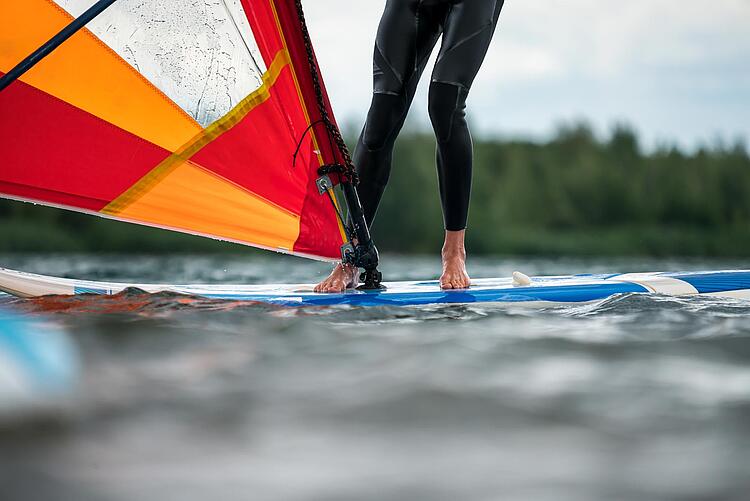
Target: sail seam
243, 189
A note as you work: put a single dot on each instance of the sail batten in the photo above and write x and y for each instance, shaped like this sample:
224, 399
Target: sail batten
188, 122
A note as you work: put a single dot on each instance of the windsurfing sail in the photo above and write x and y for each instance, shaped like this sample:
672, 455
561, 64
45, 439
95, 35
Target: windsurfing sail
208, 118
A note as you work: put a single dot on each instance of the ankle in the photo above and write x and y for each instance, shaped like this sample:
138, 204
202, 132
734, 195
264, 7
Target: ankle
347, 268
451, 259
453, 252
453, 245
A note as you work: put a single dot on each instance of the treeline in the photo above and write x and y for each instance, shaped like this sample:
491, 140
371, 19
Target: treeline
575, 195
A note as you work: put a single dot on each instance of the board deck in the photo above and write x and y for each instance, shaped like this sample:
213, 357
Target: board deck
541, 291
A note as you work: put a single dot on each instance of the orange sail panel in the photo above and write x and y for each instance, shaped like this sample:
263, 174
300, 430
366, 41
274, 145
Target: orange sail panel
170, 114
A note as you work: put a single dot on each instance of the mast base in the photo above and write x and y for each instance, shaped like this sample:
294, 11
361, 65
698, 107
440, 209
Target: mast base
367, 258
371, 281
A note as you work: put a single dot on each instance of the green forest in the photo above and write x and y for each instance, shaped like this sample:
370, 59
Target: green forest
575, 194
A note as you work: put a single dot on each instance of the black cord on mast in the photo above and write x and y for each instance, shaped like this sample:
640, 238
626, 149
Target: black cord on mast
365, 253
332, 129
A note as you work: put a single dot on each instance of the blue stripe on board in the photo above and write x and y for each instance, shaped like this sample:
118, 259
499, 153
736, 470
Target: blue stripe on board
557, 294
89, 290
721, 281
592, 276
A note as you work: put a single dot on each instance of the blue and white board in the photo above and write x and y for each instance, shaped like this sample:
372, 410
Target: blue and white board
539, 291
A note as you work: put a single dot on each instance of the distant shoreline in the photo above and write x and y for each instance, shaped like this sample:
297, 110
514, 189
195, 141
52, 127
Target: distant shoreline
575, 195
647, 241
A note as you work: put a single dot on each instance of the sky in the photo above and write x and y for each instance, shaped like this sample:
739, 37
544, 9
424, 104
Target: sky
677, 71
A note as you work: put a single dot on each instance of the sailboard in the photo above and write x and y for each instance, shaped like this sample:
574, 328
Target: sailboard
534, 292
208, 118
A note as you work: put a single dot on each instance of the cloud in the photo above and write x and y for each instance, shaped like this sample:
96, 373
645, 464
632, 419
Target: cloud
677, 70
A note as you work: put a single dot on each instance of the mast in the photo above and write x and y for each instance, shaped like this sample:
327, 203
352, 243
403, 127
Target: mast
53, 43
362, 253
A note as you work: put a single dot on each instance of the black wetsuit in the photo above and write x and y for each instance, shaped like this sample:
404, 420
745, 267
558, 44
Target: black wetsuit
406, 36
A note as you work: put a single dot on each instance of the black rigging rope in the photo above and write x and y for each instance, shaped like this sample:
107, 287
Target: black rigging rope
347, 170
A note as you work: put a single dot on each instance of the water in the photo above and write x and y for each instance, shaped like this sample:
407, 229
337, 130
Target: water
188, 399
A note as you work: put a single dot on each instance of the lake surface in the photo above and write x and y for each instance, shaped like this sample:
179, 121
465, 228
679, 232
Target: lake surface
188, 399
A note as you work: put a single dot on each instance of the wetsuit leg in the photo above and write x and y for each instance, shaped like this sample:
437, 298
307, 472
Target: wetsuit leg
408, 32
468, 31
406, 36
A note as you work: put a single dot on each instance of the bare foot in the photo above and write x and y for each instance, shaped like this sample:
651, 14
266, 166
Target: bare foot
343, 276
454, 262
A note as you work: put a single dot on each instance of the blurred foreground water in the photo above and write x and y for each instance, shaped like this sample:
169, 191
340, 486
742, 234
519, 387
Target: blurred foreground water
190, 399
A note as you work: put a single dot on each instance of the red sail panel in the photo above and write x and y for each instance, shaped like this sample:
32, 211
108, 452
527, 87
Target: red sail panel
289, 22
56, 153
267, 31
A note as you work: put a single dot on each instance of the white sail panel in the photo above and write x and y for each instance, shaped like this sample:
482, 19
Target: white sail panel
200, 53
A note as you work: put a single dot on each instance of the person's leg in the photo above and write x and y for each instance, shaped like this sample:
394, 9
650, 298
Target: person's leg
468, 30
407, 34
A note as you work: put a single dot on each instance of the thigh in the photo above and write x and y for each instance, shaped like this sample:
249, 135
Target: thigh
407, 34
468, 30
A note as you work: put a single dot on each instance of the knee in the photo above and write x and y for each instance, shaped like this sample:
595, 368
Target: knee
447, 104
383, 120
